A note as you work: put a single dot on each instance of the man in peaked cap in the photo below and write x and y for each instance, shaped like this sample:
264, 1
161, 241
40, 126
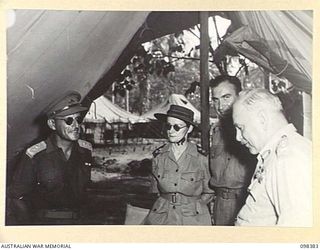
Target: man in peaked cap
50, 180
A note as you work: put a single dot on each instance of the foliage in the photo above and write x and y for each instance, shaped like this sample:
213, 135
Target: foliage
168, 65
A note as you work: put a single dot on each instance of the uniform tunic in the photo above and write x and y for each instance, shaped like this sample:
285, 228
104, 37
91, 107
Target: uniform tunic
183, 188
231, 167
45, 179
281, 189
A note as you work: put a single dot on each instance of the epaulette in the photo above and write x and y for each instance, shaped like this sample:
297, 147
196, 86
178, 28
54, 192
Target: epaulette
35, 149
201, 150
85, 144
157, 151
282, 145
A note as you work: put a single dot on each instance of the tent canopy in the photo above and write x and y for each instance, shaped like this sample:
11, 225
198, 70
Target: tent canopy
51, 52
104, 109
278, 41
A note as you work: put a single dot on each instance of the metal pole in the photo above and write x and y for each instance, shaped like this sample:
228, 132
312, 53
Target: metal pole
204, 79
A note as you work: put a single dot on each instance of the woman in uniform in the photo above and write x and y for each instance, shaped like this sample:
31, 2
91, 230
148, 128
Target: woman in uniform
180, 175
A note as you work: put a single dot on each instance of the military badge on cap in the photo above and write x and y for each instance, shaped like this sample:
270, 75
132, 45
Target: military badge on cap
67, 105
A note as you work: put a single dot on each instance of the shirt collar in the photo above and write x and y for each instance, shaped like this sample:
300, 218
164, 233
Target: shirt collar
166, 148
267, 149
52, 146
191, 149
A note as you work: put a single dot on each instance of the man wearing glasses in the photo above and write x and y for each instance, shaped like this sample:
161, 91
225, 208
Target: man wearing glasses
50, 180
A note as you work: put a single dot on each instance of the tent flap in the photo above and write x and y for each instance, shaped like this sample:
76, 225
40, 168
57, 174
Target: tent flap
248, 43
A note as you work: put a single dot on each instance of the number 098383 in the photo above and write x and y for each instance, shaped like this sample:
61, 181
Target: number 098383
309, 246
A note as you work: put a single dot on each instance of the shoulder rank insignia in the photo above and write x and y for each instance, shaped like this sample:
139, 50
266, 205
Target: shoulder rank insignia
157, 151
282, 145
35, 149
85, 144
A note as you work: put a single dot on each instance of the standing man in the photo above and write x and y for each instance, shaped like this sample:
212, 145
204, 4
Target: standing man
280, 193
49, 184
231, 164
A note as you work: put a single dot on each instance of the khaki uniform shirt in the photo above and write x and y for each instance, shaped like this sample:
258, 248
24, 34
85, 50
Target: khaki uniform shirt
281, 189
231, 164
189, 178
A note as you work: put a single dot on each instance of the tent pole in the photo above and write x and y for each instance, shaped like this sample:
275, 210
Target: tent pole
113, 87
127, 100
204, 79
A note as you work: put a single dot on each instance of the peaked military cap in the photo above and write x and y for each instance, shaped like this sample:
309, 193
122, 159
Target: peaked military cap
67, 105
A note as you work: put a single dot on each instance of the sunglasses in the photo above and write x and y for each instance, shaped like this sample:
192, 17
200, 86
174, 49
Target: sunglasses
69, 120
176, 127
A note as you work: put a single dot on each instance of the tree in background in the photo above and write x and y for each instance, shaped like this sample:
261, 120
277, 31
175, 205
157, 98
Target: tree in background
171, 64
159, 68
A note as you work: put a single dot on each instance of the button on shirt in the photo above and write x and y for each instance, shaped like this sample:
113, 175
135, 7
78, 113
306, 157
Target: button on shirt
188, 177
281, 188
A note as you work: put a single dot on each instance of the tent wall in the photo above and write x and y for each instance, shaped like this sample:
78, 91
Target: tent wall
51, 52
103, 108
289, 33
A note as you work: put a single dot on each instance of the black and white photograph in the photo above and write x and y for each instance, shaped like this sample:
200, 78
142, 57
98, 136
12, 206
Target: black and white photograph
159, 118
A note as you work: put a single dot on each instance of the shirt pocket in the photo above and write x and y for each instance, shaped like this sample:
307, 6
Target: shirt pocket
160, 206
191, 183
50, 179
192, 177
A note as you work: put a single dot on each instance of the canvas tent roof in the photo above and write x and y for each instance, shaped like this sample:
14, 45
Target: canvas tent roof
103, 109
51, 52
177, 100
279, 41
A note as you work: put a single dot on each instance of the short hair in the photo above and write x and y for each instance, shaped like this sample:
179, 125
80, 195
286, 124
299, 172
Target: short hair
223, 78
253, 99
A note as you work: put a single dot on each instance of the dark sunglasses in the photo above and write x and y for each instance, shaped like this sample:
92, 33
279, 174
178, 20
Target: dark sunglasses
176, 127
70, 120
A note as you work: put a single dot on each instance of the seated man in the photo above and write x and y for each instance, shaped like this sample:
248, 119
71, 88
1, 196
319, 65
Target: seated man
280, 193
50, 180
